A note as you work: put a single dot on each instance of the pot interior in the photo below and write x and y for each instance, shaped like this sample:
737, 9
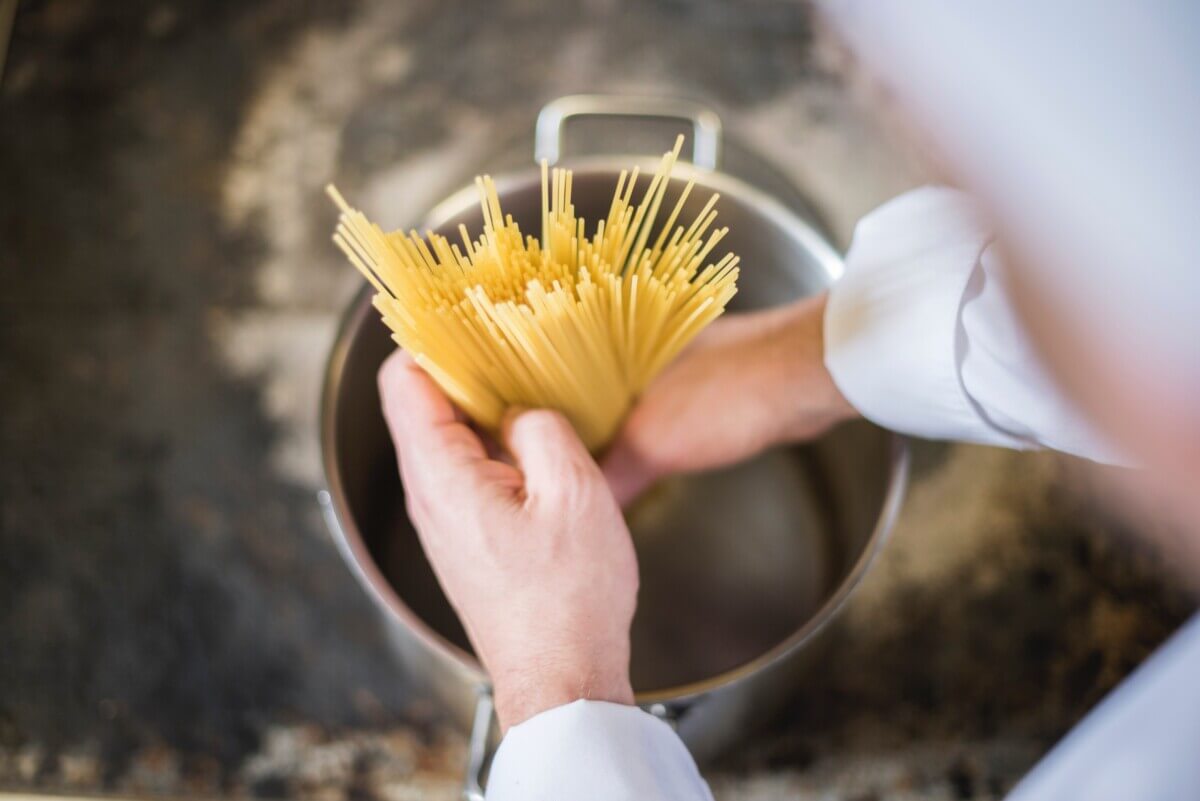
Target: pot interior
734, 563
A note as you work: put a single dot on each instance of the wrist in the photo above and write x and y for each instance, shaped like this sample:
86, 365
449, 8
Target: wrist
549, 683
810, 400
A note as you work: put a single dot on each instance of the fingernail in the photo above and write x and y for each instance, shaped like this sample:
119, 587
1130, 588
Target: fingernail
389, 375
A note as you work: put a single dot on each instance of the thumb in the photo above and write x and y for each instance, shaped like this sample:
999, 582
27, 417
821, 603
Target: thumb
430, 441
547, 449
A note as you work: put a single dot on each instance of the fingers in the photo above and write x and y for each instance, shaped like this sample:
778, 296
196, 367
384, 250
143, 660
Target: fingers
430, 440
410, 395
547, 449
433, 446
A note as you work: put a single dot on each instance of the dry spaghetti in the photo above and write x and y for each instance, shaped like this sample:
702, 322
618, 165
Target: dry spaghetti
569, 322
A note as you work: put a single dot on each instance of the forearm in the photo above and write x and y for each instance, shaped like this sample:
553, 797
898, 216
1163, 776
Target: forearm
776, 361
753, 380
550, 680
803, 398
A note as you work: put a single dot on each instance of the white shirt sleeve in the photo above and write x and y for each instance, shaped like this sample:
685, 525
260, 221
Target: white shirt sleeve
920, 335
594, 751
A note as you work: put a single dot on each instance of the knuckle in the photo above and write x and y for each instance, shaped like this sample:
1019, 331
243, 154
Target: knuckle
545, 421
575, 485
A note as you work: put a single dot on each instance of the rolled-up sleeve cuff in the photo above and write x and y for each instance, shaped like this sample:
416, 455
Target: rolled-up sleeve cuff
892, 320
594, 750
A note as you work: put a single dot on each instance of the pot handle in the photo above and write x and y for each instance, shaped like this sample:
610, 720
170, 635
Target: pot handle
477, 747
481, 726
669, 714
706, 125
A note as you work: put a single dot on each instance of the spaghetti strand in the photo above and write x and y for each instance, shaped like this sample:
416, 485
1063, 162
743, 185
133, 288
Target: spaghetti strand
560, 321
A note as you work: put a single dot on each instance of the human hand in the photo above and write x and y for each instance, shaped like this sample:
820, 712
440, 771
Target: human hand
748, 382
535, 558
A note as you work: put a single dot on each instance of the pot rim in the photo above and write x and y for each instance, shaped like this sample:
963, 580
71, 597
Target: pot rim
352, 545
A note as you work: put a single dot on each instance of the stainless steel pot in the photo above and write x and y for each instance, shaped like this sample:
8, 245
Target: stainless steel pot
741, 569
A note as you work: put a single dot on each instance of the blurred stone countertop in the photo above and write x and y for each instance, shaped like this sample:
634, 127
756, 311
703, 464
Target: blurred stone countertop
174, 620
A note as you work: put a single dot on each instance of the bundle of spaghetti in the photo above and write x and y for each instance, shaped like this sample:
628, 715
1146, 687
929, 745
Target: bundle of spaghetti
568, 322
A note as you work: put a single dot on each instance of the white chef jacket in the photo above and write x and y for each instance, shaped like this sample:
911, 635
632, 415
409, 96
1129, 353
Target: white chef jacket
921, 338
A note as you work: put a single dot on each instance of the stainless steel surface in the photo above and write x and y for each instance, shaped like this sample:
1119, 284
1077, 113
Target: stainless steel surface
741, 568
477, 748
706, 125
